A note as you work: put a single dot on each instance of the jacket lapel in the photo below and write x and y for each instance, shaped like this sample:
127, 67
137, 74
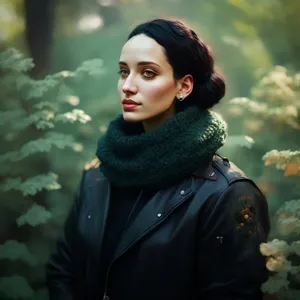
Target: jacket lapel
153, 214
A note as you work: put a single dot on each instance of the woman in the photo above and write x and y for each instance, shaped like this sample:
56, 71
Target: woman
162, 216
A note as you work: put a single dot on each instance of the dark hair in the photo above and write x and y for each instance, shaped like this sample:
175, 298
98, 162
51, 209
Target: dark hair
187, 54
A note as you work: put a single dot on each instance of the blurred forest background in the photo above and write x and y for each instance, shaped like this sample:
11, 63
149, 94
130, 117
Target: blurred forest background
58, 66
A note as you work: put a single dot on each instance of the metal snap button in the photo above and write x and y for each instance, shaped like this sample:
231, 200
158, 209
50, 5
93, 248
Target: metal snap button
182, 192
159, 215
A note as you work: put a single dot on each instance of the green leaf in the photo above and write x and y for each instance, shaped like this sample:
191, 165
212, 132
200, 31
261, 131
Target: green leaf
295, 247
40, 118
63, 75
289, 217
32, 185
38, 88
73, 116
91, 67
13, 60
13, 250
291, 206
44, 125
13, 83
249, 105
239, 141
45, 144
22, 82
15, 287
36, 215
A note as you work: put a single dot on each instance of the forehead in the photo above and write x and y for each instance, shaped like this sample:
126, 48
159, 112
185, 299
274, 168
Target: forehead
143, 48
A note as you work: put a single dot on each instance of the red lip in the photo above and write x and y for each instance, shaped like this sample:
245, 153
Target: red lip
129, 101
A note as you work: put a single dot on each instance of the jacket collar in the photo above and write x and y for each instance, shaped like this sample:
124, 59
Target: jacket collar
206, 170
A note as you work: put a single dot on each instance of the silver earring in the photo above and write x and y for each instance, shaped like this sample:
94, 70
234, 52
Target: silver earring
181, 98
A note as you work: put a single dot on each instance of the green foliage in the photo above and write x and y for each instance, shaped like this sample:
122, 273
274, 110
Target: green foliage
75, 115
32, 185
44, 144
259, 9
277, 253
91, 67
35, 122
275, 98
286, 160
41, 119
15, 287
33, 89
272, 108
234, 141
13, 250
12, 60
35, 216
273, 116
288, 219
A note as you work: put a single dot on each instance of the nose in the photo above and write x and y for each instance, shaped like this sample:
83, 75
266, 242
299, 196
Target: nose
129, 86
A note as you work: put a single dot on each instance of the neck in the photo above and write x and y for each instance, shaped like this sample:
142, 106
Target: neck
152, 123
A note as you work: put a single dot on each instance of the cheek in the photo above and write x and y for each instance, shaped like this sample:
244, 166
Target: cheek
164, 89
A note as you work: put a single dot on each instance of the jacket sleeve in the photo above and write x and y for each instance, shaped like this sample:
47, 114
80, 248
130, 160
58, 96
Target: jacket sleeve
231, 228
60, 268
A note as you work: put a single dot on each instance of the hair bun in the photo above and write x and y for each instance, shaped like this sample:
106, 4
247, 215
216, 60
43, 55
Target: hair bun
210, 91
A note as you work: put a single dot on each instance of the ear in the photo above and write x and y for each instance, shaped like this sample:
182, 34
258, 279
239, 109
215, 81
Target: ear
185, 85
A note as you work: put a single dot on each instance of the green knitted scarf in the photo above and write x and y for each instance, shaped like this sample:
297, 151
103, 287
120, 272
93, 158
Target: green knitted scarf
131, 157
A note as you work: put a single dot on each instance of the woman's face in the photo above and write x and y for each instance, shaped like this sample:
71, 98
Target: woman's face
146, 86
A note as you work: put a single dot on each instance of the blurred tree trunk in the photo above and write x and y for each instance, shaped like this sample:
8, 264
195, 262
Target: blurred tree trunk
280, 34
110, 12
39, 15
292, 25
39, 27
277, 24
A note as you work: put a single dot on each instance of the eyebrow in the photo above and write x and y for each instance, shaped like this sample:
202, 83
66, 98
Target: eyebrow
141, 63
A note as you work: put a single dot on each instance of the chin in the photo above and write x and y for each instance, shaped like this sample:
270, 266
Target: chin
131, 117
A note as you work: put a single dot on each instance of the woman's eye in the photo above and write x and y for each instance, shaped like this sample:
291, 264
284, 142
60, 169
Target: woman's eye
123, 72
148, 74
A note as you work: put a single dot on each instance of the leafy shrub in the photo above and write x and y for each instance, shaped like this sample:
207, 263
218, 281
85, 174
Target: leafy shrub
36, 125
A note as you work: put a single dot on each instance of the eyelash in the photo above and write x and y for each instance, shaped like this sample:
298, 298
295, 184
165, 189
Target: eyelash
148, 77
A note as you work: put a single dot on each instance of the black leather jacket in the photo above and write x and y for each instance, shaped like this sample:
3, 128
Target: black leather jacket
196, 240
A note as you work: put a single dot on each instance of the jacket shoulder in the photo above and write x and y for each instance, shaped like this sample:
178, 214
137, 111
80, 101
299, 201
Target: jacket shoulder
227, 169
228, 173
92, 172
